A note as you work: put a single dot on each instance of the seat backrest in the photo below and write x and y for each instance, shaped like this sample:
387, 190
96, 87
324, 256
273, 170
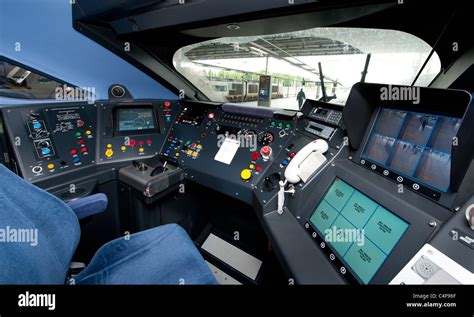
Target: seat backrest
38, 233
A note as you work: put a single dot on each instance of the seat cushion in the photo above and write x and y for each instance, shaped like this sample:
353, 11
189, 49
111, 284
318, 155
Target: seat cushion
162, 255
38, 233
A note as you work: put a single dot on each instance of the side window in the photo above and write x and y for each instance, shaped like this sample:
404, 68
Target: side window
17, 82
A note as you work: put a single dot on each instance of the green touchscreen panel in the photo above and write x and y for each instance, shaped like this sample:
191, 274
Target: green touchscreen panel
361, 231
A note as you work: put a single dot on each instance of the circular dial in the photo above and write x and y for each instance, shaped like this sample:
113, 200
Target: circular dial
265, 138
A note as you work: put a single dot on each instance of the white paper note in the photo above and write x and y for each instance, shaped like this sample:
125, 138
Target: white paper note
227, 151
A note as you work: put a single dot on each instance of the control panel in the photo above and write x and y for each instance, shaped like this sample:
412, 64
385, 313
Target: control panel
324, 114
51, 140
134, 130
217, 146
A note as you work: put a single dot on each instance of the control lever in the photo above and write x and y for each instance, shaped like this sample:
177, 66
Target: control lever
281, 195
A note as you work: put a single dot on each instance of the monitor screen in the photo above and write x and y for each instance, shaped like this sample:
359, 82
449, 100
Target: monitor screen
135, 119
413, 144
358, 229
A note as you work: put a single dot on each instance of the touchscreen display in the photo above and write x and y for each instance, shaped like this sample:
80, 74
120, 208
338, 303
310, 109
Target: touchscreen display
135, 119
414, 144
361, 231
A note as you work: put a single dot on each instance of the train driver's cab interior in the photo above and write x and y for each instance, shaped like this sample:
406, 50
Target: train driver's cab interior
262, 143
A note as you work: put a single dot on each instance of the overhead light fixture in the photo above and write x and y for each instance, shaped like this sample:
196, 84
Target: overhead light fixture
233, 26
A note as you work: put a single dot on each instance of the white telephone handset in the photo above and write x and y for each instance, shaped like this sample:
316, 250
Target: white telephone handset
306, 161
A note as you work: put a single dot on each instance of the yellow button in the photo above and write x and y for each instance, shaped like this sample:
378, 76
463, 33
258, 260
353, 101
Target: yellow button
109, 146
88, 132
189, 152
141, 150
177, 154
109, 153
195, 154
251, 166
123, 148
51, 166
246, 174
199, 146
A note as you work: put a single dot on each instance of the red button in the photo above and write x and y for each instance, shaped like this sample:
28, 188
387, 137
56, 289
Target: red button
140, 142
170, 137
255, 156
73, 152
80, 123
266, 151
258, 168
148, 142
84, 149
80, 141
292, 155
167, 104
210, 116
133, 143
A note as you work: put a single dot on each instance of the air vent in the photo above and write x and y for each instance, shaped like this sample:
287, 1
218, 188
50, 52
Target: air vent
117, 91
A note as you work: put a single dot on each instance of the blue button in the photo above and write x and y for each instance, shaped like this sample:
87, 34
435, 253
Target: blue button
37, 125
284, 162
77, 159
45, 151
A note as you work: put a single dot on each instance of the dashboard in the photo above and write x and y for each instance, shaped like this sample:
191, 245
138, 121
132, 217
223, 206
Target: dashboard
390, 179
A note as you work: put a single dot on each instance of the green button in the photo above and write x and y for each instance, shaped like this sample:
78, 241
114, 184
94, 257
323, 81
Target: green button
287, 125
78, 134
280, 124
188, 142
272, 123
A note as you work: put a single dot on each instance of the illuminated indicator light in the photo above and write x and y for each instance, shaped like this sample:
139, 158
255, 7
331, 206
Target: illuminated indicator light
266, 151
78, 134
109, 146
292, 154
37, 125
255, 156
211, 116
133, 143
251, 166
246, 174
51, 166
195, 154
80, 123
149, 142
140, 142
189, 152
45, 151
199, 146
258, 168
77, 159
167, 104
73, 151
123, 148
287, 125
84, 149
141, 150
109, 153
280, 124
272, 123
88, 132
177, 154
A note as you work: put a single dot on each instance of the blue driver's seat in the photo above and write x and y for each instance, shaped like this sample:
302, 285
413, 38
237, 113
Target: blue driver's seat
39, 234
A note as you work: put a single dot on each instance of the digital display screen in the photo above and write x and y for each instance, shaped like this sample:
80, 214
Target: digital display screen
136, 119
361, 231
416, 145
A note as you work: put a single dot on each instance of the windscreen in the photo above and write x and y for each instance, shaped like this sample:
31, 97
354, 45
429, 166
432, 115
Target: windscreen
320, 64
